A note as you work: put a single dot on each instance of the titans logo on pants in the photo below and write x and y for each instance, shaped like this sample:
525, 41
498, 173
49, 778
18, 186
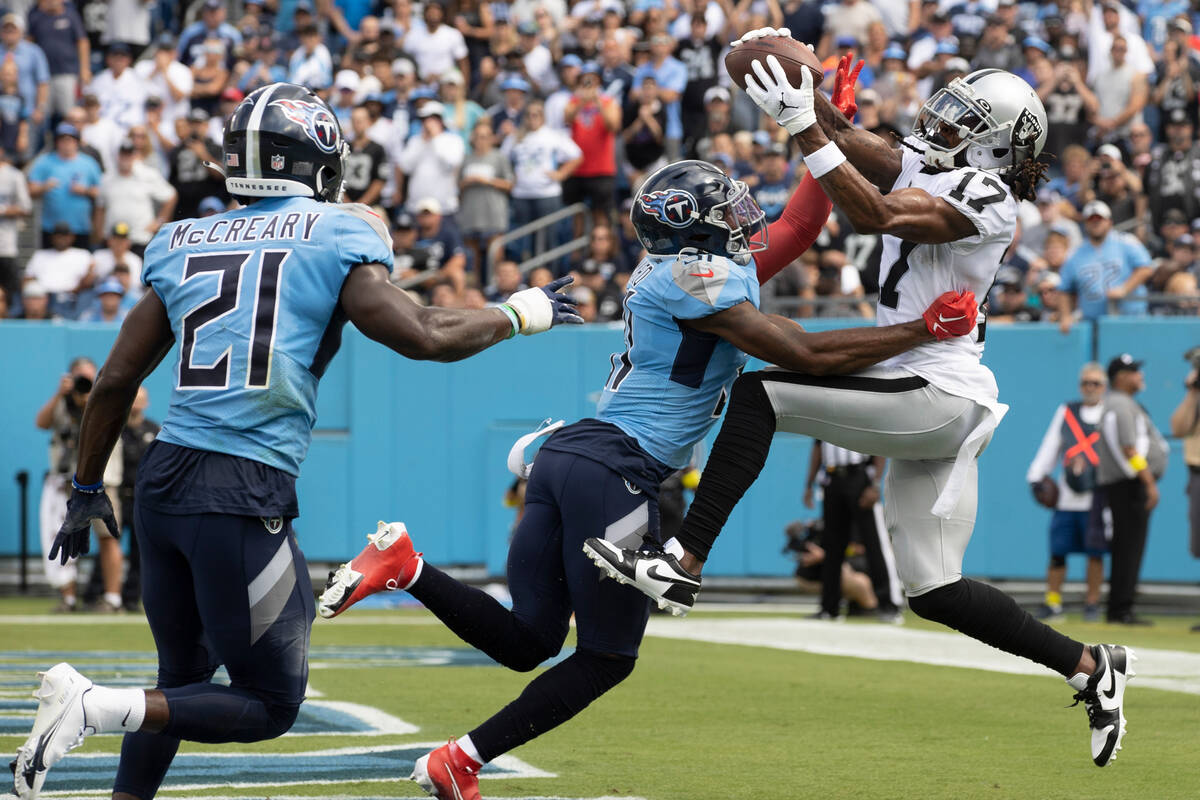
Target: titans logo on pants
675, 207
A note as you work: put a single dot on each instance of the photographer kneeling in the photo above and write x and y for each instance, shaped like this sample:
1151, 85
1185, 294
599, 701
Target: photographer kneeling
804, 545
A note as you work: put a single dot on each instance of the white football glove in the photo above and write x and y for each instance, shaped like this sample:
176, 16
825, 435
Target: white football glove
792, 108
537, 310
759, 33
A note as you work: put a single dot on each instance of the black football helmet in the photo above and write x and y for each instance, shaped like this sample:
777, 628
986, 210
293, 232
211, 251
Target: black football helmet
693, 205
281, 141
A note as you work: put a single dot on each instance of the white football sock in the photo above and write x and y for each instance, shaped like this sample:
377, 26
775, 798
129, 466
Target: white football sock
114, 710
673, 547
467, 746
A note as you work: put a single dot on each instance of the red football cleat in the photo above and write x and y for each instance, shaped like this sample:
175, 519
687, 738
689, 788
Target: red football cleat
386, 564
448, 773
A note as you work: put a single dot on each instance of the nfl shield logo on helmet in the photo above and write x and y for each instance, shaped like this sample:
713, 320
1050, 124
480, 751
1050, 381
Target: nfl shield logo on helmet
277, 162
675, 207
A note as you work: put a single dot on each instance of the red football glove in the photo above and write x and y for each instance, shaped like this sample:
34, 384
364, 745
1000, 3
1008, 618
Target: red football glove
952, 314
843, 86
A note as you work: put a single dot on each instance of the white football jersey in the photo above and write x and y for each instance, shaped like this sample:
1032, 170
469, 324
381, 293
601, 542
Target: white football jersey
911, 276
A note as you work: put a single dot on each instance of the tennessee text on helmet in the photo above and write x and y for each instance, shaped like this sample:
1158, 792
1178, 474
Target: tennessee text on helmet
693, 205
283, 140
999, 120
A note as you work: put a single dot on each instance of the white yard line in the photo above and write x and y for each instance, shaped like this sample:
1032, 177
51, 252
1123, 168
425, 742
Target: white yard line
1172, 670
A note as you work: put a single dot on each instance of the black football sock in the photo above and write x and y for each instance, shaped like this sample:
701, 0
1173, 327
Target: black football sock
479, 620
551, 699
985, 613
738, 455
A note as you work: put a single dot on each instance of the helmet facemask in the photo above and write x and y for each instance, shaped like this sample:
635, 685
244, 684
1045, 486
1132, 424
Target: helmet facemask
741, 215
983, 141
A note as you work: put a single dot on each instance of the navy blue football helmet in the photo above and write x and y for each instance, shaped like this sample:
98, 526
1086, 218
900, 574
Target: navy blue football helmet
282, 141
693, 205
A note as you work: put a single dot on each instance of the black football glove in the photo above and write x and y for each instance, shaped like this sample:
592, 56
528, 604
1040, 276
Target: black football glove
75, 536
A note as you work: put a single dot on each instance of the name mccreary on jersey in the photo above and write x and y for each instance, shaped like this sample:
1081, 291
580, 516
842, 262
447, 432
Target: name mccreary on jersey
259, 228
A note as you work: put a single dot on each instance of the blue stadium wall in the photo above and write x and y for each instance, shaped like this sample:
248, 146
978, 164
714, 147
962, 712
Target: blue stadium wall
426, 443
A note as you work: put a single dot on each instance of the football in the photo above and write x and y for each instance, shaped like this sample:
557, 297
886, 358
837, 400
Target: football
793, 55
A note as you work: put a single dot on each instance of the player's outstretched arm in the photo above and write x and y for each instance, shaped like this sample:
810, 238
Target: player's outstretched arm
910, 214
144, 340
780, 341
389, 316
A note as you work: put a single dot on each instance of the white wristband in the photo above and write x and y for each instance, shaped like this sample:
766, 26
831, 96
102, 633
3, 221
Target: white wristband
825, 160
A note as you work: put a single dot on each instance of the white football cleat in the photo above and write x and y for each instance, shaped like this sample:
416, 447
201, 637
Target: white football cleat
1102, 694
59, 727
655, 574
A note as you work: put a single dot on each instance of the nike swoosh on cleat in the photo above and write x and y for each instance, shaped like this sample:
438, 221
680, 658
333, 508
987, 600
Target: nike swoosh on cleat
653, 572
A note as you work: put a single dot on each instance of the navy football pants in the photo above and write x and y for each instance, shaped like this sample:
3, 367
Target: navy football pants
219, 590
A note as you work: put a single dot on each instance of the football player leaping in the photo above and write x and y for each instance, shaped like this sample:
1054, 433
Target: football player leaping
947, 218
691, 315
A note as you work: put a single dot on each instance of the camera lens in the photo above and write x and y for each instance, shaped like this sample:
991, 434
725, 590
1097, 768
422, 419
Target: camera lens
83, 384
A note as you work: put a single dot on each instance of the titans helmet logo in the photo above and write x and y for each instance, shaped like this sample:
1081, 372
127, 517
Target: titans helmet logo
316, 121
675, 207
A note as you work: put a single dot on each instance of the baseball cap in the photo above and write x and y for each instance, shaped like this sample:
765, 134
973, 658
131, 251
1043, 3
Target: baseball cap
305, 6
346, 79
527, 28
432, 108
62, 227
119, 229
126, 146
777, 149
402, 66
429, 205
1174, 216
451, 76
1097, 208
1008, 276
166, 40
66, 129
1178, 116
1180, 24
12, 19
1184, 241
119, 48
1049, 280
515, 82
1123, 363
939, 16
33, 289
110, 286
570, 60
868, 97
1061, 228
845, 41
198, 115
404, 221
590, 68
716, 93
1036, 44
1110, 150
212, 205
947, 47
213, 5
895, 51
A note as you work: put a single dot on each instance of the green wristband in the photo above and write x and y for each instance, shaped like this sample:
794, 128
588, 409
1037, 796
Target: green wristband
512, 317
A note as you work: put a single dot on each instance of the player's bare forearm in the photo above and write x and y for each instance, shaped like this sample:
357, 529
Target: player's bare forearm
144, 340
910, 214
780, 341
872, 155
388, 315
849, 350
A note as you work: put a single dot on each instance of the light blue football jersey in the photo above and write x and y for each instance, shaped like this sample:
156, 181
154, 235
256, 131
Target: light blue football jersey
671, 383
252, 296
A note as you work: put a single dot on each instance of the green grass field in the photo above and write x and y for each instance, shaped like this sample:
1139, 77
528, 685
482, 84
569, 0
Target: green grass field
694, 721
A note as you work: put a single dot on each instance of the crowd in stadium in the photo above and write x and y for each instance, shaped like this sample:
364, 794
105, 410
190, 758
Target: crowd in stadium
468, 119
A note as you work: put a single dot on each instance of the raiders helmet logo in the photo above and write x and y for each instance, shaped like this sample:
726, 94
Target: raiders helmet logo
316, 121
277, 163
1027, 129
675, 207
